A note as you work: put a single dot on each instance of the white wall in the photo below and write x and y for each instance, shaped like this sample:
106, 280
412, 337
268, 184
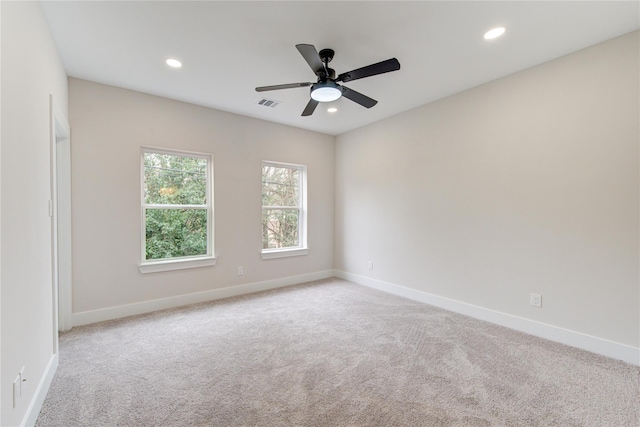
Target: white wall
108, 127
527, 184
31, 71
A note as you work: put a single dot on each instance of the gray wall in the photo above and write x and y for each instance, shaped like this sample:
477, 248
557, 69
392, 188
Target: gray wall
31, 71
109, 125
527, 184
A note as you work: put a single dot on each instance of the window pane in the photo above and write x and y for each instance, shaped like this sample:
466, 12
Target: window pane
175, 180
280, 186
172, 233
279, 228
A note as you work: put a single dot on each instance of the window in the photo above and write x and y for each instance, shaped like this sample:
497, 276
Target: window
284, 214
177, 212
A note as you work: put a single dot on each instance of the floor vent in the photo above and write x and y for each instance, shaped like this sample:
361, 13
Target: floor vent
269, 103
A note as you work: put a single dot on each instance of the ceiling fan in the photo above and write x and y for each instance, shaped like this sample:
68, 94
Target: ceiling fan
327, 89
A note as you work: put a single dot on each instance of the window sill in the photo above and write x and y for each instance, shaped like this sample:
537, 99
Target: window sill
284, 253
176, 264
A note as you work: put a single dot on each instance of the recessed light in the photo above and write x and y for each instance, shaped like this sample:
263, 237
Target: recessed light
494, 33
171, 62
332, 109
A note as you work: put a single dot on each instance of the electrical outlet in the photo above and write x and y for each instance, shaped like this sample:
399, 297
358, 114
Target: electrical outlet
240, 271
370, 265
535, 300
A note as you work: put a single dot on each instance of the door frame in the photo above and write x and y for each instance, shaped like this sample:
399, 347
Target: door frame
60, 211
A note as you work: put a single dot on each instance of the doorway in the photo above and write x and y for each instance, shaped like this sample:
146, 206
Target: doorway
60, 212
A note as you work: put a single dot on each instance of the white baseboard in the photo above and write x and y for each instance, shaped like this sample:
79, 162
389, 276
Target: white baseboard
35, 406
94, 316
590, 343
597, 345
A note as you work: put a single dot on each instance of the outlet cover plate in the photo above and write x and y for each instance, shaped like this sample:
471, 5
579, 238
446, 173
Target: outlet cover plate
536, 300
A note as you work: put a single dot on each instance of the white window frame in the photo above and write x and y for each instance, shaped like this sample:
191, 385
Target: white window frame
180, 263
302, 248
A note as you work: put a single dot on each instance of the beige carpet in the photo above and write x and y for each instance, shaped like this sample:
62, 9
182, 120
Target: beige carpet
329, 353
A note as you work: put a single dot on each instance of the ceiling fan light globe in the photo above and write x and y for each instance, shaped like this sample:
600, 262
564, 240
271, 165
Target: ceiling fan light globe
325, 91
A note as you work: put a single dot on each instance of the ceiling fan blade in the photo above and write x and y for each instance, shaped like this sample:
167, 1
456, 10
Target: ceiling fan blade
285, 86
370, 70
358, 98
310, 108
310, 54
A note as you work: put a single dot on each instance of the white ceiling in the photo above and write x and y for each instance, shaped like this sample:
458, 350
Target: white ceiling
229, 48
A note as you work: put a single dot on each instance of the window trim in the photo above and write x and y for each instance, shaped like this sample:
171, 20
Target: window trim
283, 252
302, 248
178, 263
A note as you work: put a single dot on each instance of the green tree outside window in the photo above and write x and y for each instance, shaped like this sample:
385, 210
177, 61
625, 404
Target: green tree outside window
176, 205
281, 206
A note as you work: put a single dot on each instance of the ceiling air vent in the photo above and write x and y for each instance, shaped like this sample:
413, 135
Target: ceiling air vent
269, 103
